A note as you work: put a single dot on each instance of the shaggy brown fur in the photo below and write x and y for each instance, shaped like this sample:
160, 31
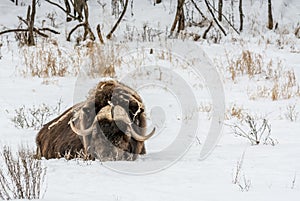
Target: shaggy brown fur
107, 141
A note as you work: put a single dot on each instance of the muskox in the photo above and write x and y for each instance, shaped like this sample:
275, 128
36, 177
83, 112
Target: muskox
109, 125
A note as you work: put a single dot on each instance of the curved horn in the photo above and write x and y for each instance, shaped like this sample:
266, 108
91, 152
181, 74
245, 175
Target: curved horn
119, 113
83, 133
141, 138
105, 112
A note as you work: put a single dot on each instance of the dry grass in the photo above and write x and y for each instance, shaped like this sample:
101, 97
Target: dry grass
281, 85
271, 79
205, 108
101, 60
235, 111
47, 62
247, 63
53, 61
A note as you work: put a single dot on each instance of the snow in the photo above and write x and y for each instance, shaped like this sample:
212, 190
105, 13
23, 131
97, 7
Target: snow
177, 174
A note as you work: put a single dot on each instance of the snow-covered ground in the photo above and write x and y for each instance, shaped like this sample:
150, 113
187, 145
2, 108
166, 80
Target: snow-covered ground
270, 172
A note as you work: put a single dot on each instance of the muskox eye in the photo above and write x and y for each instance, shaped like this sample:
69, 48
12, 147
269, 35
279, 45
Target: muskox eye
86, 110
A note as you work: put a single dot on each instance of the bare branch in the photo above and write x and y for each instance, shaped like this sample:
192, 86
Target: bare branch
226, 19
13, 30
99, 34
40, 33
74, 29
118, 21
207, 30
60, 7
215, 19
198, 9
50, 30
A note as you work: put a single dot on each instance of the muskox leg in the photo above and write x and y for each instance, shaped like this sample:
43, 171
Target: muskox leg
84, 138
38, 154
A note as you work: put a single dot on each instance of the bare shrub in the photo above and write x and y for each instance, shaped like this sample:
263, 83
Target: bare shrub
146, 34
36, 116
256, 134
294, 181
21, 176
242, 182
291, 112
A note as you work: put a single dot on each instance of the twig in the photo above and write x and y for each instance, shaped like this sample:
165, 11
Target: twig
12, 30
74, 29
207, 30
99, 34
38, 29
226, 19
59, 6
198, 9
294, 181
212, 14
50, 30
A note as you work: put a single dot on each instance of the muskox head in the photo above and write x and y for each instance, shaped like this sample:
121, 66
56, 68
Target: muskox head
109, 125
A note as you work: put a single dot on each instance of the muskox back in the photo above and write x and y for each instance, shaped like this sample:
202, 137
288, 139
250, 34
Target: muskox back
55, 141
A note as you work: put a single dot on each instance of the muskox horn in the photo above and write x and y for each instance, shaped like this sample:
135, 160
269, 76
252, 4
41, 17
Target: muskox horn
80, 132
140, 138
105, 112
119, 113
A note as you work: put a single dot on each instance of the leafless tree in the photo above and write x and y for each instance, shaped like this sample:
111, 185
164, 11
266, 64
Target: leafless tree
220, 8
198, 9
179, 17
15, 1
215, 19
210, 8
79, 4
68, 10
31, 29
85, 25
78, 8
241, 15
30, 21
270, 16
